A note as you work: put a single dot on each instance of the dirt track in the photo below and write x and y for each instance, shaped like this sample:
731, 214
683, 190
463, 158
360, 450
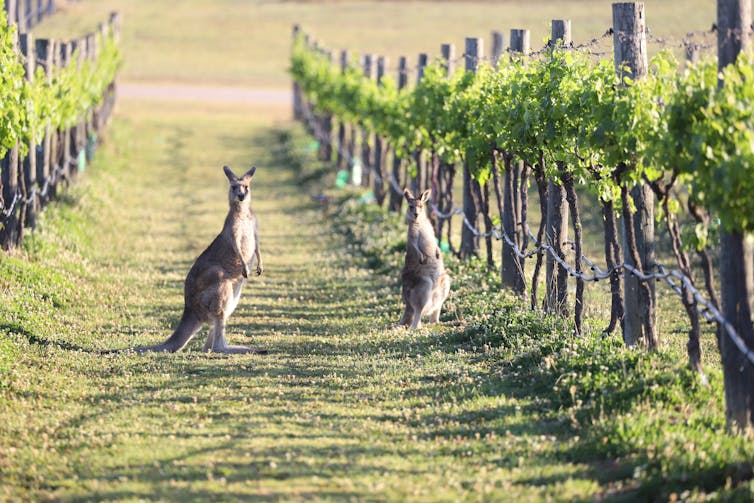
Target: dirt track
227, 94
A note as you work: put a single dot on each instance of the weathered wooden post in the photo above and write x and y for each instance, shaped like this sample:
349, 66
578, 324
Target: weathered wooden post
366, 148
297, 115
396, 200
114, 27
44, 53
442, 190
65, 54
351, 155
513, 267
9, 180
630, 47
325, 121
556, 231
78, 51
379, 149
19, 16
736, 263
9, 177
11, 12
30, 206
448, 54
419, 181
28, 15
100, 110
341, 160
470, 240
90, 130
498, 44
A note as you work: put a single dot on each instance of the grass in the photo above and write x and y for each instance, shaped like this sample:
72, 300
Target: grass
247, 43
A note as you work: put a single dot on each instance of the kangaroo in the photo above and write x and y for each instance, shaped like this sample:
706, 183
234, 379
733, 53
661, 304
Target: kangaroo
213, 285
426, 285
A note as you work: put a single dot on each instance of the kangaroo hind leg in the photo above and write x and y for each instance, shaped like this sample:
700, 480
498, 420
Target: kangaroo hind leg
407, 316
210, 339
222, 346
419, 299
186, 329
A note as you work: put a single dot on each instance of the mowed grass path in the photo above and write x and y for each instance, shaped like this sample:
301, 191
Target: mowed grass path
343, 406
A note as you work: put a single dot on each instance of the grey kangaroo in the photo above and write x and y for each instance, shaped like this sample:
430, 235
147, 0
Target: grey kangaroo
213, 285
426, 285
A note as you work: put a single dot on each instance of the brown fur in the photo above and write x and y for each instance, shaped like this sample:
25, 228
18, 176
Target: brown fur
213, 285
426, 285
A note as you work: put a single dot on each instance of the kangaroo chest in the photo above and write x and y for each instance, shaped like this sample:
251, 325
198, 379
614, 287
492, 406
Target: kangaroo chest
243, 231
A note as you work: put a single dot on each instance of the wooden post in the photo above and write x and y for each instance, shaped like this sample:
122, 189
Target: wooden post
421, 65
520, 42
498, 44
28, 15
512, 266
736, 267
297, 115
448, 52
442, 191
325, 122
78, 143
44, 53
11, 11
419, 181
380, 185
9, 181
341, 161
469, 240
64, 144
396, 200
40, 10
20, 18
630, 47
115, 25
29, 163
100, 110
366, 149
90, 131
9, 178
561, 32
556, 297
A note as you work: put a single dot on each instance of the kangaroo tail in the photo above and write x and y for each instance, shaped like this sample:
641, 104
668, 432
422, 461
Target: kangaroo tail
186, 329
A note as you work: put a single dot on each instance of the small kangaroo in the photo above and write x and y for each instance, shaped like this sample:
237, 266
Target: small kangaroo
213, 285
426, 285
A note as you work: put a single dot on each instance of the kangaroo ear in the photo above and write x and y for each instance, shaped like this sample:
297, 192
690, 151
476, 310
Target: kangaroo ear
408, 195
231, 176
250, 173
425, 195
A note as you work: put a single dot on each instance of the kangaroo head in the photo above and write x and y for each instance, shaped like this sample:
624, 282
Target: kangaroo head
416, 205
239, 186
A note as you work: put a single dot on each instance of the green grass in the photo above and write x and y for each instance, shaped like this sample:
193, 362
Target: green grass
248, 42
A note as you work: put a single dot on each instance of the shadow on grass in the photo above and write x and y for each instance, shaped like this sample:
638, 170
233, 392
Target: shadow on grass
18, 329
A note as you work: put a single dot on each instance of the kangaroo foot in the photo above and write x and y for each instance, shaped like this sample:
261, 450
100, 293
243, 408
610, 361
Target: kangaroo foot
239, 350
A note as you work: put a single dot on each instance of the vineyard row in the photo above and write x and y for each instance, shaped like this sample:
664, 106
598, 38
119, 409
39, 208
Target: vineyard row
644, 138
57, 98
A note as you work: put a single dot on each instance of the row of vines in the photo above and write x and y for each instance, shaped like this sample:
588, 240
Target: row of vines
678, 138
56, 98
